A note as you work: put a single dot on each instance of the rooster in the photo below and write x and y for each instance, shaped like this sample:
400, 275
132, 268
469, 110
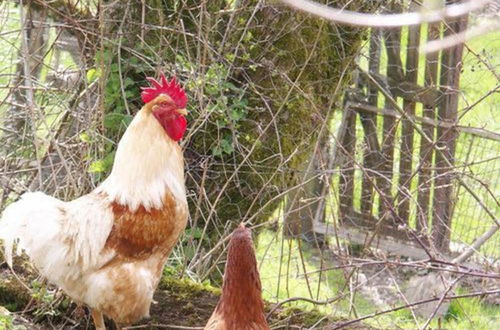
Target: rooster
107, 249
240, 306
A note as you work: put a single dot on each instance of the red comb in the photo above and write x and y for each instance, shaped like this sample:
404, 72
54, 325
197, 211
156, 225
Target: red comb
171, 88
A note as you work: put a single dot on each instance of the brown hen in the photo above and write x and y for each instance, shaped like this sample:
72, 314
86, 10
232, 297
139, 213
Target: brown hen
241, 306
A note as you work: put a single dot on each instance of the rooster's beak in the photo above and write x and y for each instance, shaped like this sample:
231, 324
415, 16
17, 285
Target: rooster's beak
182, 112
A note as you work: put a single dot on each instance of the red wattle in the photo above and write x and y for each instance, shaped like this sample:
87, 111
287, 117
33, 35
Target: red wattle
175, 127
172, 122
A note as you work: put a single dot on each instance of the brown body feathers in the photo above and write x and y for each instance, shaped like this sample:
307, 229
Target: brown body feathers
240, 306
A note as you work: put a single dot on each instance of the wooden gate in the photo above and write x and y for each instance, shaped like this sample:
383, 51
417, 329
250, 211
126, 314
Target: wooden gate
402, 162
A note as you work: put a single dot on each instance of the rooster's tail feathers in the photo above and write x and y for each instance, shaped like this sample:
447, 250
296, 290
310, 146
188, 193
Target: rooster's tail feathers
25, 222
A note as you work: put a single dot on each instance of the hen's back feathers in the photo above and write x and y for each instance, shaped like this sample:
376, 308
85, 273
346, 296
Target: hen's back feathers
240, 306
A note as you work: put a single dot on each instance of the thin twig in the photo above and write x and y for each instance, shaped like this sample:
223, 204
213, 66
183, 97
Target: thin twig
468, 295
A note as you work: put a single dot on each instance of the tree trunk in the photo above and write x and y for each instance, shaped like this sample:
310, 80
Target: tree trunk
19, 132
260, 80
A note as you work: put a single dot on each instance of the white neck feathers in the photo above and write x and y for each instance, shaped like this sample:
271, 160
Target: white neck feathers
147, 165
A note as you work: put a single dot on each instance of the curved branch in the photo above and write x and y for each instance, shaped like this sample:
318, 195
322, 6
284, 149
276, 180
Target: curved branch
384, 20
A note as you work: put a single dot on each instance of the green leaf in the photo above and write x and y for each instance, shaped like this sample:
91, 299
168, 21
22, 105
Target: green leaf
230, 86
222, 122
114, 84
97, 167
133, 60
230, 57
248, 36
238, 109
196, 233
128, 82
217, 151
84, 137
93, 74
236, 114
102, 165
227, 146
211, 89
115, 121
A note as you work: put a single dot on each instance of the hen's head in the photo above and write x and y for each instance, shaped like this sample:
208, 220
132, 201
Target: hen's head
241, 253
167, 102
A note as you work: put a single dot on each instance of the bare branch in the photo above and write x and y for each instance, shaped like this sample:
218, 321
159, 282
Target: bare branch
455, 39
384, 20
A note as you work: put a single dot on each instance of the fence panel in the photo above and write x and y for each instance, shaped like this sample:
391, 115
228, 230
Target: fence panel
419, 179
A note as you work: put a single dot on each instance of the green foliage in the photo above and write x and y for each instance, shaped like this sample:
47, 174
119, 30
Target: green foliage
6, 322
224, 147
93, 74
187, 246
194, 233
114, 96
102, 165
116, 122
227, 104
45, 299
471, 313
99, 165
185, 288
118, 90
306, 320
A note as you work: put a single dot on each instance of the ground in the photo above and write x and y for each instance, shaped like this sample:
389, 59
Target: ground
179, 304
185, 304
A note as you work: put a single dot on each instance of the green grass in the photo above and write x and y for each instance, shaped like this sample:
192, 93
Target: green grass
282, 276
282, 270
472, 313
477, 80
463, 313
6, 322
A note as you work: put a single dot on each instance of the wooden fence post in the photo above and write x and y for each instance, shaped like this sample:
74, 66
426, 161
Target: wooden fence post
426, 148
451, 64
369, 122
406, 154
395, 72
346, 183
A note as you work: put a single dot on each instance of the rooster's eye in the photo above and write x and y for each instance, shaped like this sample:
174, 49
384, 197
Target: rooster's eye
163, 104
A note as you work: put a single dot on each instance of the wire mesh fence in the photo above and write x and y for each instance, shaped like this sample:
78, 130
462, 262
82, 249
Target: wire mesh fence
477, 163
